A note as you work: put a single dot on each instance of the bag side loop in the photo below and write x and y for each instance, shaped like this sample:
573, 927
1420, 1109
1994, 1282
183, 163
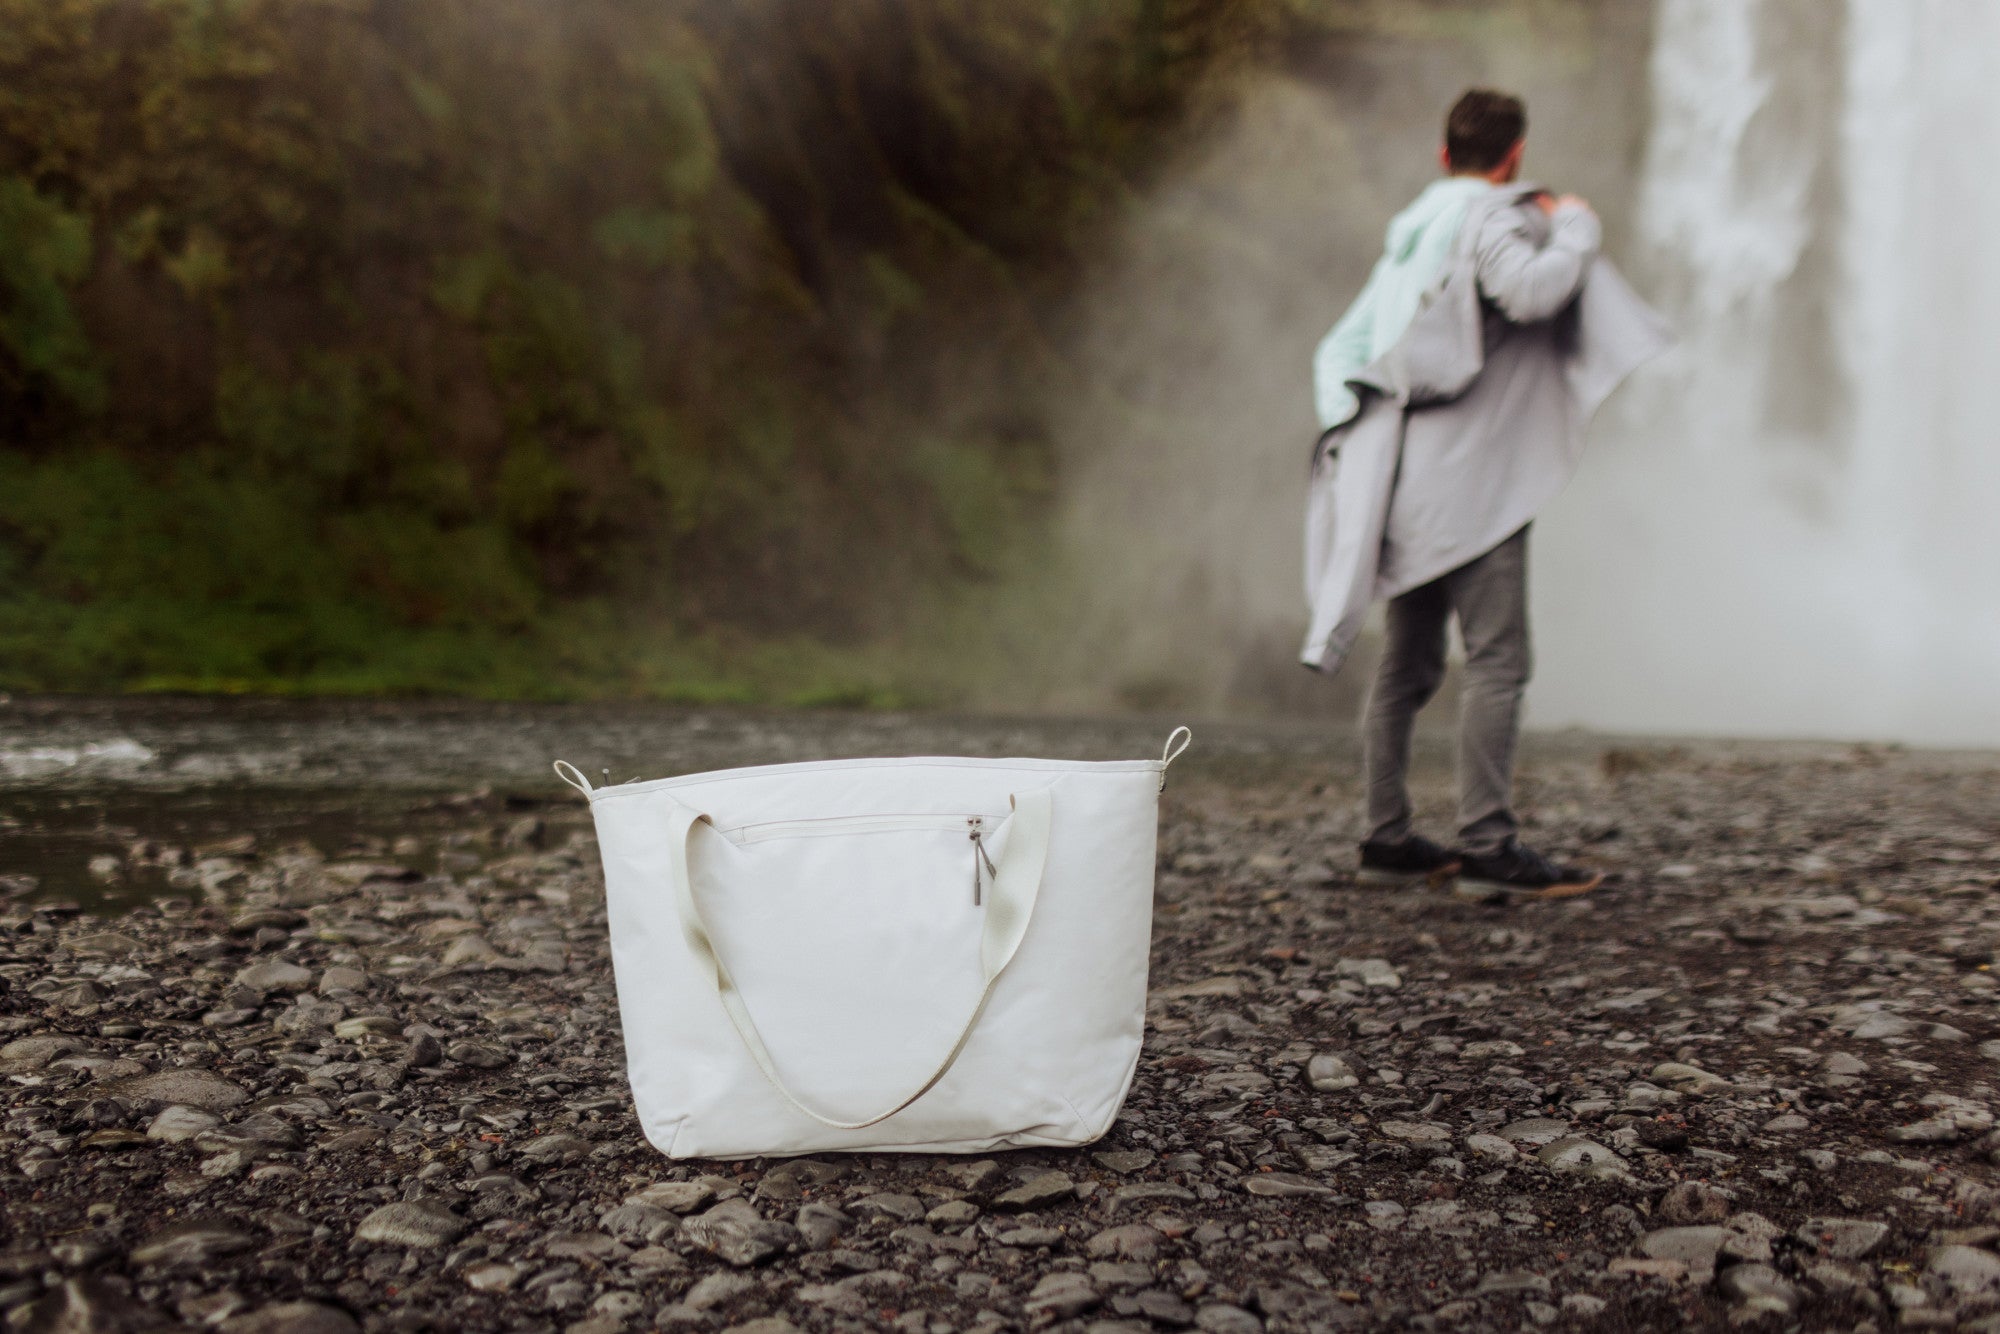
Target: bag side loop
1185, 736
1016, 885
574, 777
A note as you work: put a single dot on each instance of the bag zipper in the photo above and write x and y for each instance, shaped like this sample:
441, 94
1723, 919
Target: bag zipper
847, 825
974, 826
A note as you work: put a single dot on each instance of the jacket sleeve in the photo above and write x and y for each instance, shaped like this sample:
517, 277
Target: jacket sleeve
1529, 282
1340, 354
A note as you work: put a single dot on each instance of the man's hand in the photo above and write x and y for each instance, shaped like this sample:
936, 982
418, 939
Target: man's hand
1550, 203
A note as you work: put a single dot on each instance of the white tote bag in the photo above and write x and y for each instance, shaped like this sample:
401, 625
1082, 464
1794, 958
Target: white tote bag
936, 955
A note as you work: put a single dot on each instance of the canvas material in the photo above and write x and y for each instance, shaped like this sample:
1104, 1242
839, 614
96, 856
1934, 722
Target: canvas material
839, 896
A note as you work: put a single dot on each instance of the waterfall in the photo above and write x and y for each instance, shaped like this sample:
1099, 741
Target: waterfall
1792, 527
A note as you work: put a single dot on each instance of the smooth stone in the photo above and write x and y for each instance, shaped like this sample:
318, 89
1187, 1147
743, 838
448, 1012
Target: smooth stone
342, 978
821, 1224
556, 1148
189, 1088
1759, 1288
1063, 1295
1128, 1241
32, 1053
1574, 1154
1225, 1318
680, 1197
275, 976
1694, 1247
293, 1318
1283, 1185
1882, 1024
1533, 1131
902, 1208
367, 1026
1490, 1146
412, 1223
735, 1233
1124, 1162
953, 1213
1967, 1270
309, 1014
1693, 1202
1048, 1189
1330, 1074
113, 1139
470, 954
1416, 1132
281, 919
1843, 1238
479, 1055
718, 1288
491, 1277
86, 1305
193, 1242
639, 1223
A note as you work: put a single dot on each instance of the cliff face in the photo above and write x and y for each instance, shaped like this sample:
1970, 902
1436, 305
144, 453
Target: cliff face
504, 346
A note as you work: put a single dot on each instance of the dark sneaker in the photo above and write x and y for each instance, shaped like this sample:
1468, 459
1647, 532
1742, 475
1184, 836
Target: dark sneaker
1515, 874
1397, 864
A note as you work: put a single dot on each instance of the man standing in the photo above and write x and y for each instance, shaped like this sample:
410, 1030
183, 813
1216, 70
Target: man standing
1454, 393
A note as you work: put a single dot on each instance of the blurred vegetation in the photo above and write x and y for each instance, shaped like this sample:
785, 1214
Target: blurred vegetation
501, 346
688, 349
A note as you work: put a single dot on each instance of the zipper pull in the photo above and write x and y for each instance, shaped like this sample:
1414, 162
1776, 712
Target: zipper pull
976, 834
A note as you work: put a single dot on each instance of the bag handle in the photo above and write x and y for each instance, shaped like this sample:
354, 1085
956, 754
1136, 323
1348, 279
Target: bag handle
1016, 884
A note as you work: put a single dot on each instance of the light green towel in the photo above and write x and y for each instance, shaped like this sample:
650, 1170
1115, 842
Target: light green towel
1419, 240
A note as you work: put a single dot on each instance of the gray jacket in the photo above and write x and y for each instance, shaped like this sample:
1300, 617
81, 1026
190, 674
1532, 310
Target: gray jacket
1475, 419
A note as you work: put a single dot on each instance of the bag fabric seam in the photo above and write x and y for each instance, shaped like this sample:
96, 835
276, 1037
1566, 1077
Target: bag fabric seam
832, 766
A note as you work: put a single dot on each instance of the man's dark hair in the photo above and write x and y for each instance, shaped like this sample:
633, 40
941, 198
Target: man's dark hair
1482, 128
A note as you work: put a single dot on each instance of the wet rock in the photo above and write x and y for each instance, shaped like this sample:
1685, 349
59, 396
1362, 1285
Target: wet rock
1490, 1146
820, 1224
1694, 1202
188, 1087
734, 1232
1575, 1154
679, 1197
293, 1318
1124, 1162
1843, 1238
23, 1054
1129, 1241
84, 1305
1759, 1289
194, 1242
639, 1224
1283, 1185
718, 1289
901, 1208
309, 1014
953, 1213
1041, 1192
478, 1055
275, 977
1533, 1131
1966, 1271
1062, 1295
1330, 1074
1696, 1248
1371, 973
417, 1223
341, 978
1223, 1318
470, 954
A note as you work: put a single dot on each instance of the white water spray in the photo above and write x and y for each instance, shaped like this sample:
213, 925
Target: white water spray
1794, 529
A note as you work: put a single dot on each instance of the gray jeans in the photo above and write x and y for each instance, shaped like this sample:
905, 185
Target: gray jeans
1490, 596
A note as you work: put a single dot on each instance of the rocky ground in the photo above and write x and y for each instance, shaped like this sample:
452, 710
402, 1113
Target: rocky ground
379, 1084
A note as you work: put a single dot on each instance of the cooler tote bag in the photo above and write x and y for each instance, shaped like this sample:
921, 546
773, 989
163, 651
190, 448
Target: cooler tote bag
927, 955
